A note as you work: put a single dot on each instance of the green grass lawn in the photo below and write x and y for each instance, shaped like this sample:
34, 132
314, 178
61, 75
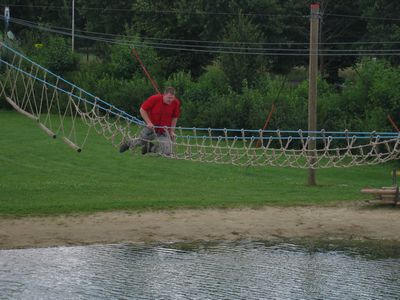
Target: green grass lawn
43, 176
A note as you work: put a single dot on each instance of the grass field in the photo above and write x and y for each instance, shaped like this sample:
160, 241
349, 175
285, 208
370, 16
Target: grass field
42, 176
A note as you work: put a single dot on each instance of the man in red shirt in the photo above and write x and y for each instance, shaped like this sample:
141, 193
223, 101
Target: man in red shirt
158, 111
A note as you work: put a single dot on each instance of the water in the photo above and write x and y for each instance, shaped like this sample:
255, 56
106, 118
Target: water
221, 271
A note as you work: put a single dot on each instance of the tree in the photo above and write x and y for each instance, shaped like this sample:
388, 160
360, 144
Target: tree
108, 17
239, 67
124, 65
337, 27
56, 55
46, 12
382, 25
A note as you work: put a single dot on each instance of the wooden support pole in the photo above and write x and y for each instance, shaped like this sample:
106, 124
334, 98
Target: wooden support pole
312, 90
260, 142
47, 130
71, 144
393, 123
21, 111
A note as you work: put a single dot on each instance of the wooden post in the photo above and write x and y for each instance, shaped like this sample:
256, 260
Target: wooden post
312, 89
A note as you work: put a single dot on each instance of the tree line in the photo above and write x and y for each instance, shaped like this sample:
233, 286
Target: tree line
207, 49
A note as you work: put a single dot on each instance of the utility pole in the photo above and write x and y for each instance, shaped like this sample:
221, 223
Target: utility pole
312, 91
73, 25
6, 21
321, 57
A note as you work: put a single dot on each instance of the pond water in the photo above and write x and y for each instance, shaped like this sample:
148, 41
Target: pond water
247, 270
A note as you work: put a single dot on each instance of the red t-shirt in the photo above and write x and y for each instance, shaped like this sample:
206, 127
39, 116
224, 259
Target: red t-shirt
161, 114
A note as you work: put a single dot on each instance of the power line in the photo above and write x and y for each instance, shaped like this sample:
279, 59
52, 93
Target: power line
166, 39
362, 17
135, 11
155, 11
216, 49
285, 43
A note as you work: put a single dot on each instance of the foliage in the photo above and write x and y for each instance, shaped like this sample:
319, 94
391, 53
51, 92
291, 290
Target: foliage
214, 80
124, 64
222, 89
166, 22
56, 55
366, 100
125, 94
239, 32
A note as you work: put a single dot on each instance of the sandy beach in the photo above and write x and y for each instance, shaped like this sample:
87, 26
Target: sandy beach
267, 223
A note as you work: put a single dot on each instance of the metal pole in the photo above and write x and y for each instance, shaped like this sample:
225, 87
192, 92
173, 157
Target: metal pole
73, 25
312, 90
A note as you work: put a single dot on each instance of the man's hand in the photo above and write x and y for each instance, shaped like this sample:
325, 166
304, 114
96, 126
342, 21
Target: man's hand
150, 125
173, 135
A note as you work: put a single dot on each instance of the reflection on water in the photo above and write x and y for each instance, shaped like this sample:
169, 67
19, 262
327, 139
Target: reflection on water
222, 271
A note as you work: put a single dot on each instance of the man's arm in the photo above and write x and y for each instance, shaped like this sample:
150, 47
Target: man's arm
146, 118
173, 125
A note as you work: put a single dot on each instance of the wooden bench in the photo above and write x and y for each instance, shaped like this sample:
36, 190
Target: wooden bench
385, 193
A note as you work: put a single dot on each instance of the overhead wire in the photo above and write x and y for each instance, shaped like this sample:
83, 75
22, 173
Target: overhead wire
197, 12
210, 48
160, 11
362, 17
285, 43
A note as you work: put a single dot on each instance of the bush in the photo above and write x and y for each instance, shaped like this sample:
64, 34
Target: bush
368, 98
124, 64
214, 81
124, 94
200, 98
56, 55
88, 76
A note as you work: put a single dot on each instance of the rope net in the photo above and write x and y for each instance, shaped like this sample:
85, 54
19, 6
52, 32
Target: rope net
61, 109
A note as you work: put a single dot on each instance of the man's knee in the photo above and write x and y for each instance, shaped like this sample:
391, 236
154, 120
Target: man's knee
167, 150
147, 134
165, 146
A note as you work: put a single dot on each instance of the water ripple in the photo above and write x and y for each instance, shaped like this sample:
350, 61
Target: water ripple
223, 271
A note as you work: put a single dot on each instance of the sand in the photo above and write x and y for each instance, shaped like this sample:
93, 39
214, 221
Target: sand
268, 223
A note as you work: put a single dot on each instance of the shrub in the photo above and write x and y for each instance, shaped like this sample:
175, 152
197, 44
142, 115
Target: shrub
370, 96
124, 64
214, 81
124, 94
56, 55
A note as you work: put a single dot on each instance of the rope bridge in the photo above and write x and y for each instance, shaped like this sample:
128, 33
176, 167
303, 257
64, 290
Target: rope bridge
62, 109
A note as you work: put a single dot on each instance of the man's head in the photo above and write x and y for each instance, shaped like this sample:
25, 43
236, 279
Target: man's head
169, 95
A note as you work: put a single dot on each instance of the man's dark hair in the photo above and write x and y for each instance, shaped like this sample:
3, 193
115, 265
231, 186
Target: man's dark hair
169, 90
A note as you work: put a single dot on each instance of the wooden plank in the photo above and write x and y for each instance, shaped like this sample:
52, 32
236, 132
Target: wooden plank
380, 191
388, 188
